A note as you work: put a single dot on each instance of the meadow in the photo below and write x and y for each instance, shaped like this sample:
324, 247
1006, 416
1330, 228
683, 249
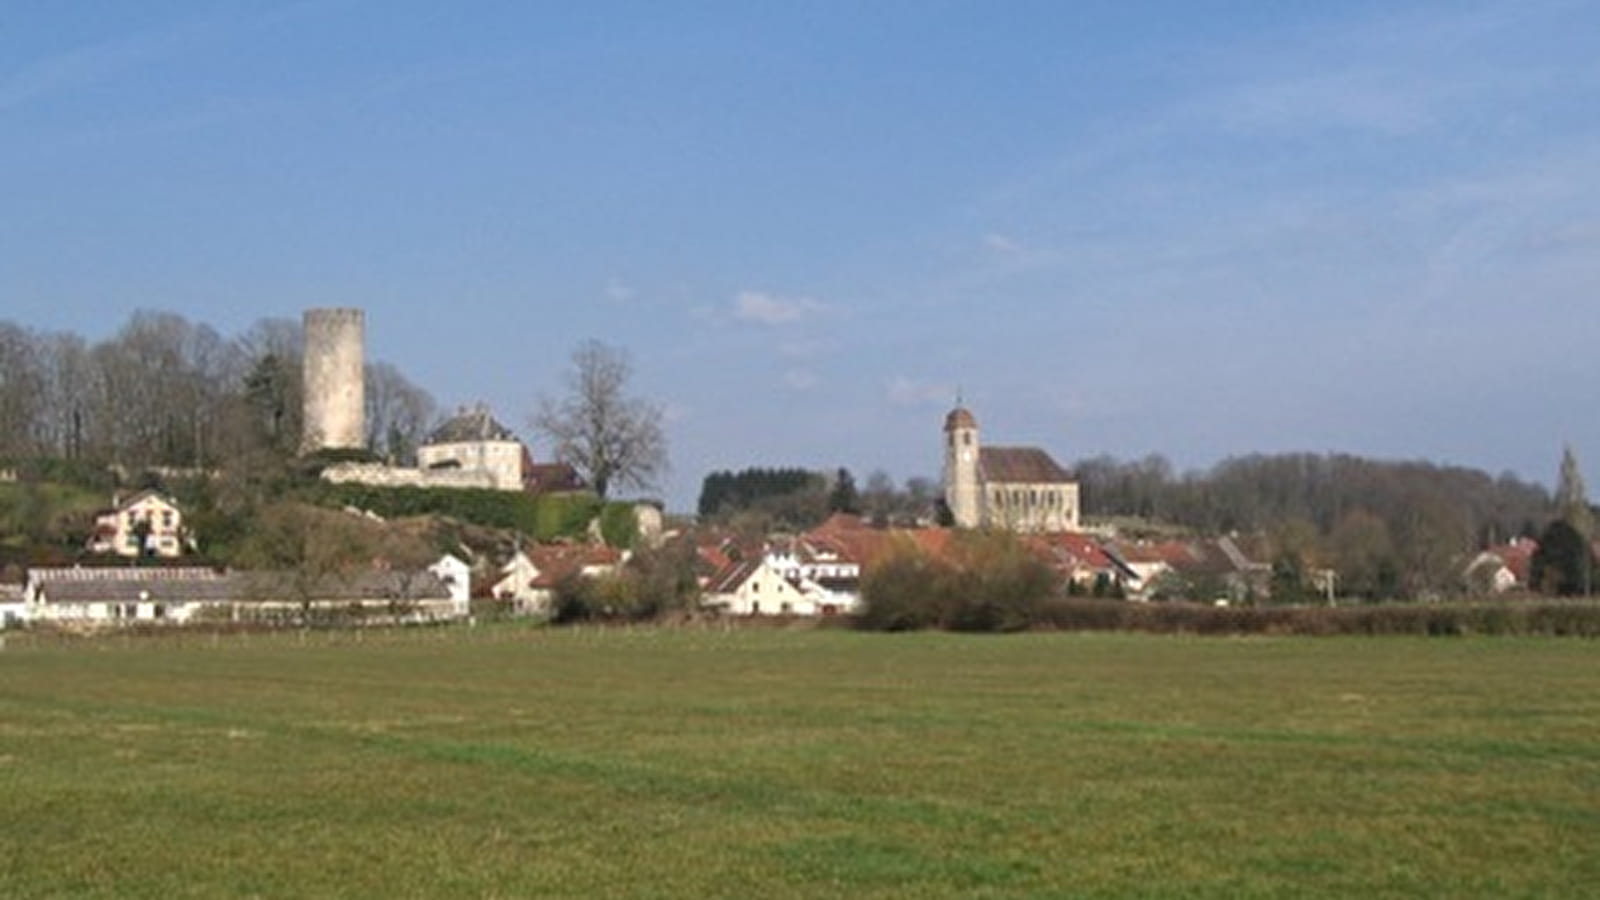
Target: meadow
510, 762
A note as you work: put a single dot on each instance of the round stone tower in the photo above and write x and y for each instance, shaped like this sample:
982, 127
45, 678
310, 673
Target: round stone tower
335, 380
961, 492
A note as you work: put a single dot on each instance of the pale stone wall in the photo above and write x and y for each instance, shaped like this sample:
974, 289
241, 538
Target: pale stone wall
961, 493
499, 462
1042, 507
380, 475
335, 386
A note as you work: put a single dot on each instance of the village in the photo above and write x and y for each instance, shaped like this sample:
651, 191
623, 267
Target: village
813, 572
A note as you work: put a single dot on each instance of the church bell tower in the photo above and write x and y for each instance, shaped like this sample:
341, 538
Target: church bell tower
961, 493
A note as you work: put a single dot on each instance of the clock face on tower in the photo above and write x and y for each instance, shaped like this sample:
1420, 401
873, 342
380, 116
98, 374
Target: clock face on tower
966, 456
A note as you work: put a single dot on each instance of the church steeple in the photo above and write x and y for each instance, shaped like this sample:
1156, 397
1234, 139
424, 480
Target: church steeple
961, 451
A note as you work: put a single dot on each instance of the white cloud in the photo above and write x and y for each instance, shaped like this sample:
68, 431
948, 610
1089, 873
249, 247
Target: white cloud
800, 379
904, 391
619, 291
769, 309
806, 348
1000, 243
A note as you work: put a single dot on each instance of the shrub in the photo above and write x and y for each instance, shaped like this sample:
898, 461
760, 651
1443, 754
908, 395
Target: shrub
619, 525
987, 582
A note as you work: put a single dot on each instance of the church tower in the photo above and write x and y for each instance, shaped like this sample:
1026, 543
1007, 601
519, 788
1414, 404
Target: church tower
961, 492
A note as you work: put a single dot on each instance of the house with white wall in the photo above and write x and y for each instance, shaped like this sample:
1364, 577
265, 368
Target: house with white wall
98, 597
456, 576
530, 578
146, 524
756, 588
13, 605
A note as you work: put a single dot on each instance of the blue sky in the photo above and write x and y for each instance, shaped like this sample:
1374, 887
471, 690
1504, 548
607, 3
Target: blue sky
1197, 228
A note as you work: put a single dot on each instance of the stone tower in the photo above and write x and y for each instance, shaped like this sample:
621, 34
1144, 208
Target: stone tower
961, 493
335, 380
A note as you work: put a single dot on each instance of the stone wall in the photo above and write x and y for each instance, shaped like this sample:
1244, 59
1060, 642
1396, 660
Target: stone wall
380, 475
335, 386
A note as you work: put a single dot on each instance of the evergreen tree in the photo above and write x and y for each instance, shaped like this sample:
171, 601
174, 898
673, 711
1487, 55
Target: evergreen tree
1564, 561
1572, 500
844, 497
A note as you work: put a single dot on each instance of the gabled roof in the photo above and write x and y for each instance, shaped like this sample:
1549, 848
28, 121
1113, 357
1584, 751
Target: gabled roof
1070, 551
557, 561
121, 505
244, 587
1019, 464
471, 425
733, 575
540, 477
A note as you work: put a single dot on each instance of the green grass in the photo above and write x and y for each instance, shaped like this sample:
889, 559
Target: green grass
678, 763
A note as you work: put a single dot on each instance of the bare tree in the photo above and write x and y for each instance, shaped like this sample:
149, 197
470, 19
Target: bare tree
21, 384
399, 413
610, 437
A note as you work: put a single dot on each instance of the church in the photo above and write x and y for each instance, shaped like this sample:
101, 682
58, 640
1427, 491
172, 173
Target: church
1012, 488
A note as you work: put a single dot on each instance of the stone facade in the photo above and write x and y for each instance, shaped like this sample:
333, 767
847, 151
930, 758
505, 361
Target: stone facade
335, 380
380, 475
472, 441
471, 450
1013, 488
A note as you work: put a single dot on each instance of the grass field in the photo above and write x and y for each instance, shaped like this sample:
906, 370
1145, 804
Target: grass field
678, 763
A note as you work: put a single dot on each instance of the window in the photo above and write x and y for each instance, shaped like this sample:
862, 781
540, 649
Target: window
966, 438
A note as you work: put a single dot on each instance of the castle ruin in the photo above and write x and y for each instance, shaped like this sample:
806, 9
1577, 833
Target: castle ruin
335, 380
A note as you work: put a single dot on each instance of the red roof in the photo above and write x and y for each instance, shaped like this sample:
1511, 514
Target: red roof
1517, 556
1019, 464
557, 561
960, 417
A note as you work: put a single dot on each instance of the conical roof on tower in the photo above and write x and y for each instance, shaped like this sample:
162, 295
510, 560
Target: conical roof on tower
960, 417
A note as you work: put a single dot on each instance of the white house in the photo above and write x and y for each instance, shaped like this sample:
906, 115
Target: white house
828, 577
473, 441
157, 518
456, 575
516, 585
100, 597
757, 588
531, 576
13, 605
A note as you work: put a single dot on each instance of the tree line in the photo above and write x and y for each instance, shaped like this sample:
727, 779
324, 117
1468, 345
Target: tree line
166, 392
1388, 528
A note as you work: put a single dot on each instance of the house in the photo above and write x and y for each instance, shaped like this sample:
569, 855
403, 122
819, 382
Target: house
516, 585
1078, 559
531, 577
472, 441
13, 605
456, 576
102, 597
550, 478
823, 570
470, 450
754, 587
1504, 567
1019, 489
1223, 569
146, 524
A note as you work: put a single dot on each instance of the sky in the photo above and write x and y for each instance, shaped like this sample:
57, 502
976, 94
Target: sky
1198, 229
